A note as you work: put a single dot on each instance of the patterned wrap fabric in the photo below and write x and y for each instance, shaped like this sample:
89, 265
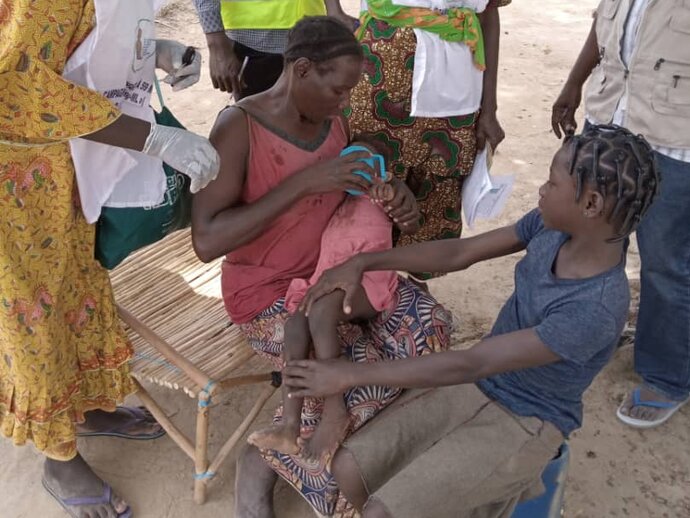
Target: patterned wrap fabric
457, 24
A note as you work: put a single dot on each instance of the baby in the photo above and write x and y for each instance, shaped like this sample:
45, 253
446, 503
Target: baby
358, 225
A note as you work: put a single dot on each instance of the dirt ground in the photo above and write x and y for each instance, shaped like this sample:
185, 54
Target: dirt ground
615, 470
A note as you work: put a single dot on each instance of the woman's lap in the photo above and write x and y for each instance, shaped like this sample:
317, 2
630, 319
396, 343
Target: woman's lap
418, 325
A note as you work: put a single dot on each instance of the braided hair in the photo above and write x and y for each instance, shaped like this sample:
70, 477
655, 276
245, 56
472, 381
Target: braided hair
319, 39
620, 166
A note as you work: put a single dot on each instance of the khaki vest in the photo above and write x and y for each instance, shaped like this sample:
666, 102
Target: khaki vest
658, 75
268, 14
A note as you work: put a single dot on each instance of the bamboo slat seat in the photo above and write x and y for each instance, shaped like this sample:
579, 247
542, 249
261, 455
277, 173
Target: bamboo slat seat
171, 305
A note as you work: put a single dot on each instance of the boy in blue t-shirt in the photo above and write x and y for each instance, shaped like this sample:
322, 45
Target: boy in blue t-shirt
523, 384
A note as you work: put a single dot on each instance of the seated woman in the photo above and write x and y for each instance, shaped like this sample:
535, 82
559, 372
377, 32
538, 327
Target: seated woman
358, 225
280, 182
509, 401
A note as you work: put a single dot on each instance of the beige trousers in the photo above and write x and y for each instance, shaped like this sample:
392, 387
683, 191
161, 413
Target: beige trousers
452, 453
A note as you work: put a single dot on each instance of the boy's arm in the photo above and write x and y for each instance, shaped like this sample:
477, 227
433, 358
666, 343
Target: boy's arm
488, 127
447, 255
494, 355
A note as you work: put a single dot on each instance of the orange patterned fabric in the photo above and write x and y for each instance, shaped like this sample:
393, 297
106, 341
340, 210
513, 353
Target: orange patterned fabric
62, 349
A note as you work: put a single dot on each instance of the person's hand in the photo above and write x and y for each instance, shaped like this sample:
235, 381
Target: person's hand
182, 63
187, 152
402, 207
346, 277
489, 130
336, 175
223, 63
381, 193
321, 378
563, 110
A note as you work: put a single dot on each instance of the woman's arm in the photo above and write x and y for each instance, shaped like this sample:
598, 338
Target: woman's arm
508, 352
126, 132
220, 223
488, 127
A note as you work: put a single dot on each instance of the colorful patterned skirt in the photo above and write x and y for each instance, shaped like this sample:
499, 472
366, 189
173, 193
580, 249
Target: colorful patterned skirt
63, 350
418, 325
432, 156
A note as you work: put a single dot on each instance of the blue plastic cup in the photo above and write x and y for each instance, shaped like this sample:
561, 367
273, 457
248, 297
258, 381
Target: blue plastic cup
375, 161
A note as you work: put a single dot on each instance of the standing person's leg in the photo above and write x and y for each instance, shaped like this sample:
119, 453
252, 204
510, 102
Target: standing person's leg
447, 148
662, 341
324, 317
261, 71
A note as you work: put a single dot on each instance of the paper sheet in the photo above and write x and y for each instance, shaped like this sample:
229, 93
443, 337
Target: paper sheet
484, 196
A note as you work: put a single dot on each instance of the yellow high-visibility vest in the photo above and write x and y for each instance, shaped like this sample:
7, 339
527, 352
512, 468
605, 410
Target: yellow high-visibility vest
268, 14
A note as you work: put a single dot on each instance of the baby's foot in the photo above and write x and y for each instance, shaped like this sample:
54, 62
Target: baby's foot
276, 437
327, 437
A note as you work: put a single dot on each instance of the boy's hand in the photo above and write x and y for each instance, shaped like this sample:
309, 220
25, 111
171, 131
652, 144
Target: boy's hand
316, 378
346, 277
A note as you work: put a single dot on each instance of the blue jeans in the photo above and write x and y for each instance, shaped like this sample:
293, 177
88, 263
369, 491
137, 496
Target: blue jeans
662, 340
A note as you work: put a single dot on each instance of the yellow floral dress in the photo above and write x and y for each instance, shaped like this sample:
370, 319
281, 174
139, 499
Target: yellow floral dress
62, 349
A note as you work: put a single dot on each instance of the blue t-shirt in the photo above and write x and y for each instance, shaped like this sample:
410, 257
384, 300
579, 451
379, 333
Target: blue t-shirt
580, 320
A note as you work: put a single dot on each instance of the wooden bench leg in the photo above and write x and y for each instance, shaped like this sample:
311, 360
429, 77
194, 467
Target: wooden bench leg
201, 449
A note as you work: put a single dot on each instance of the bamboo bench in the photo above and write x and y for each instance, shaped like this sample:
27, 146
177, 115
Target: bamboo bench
173, 312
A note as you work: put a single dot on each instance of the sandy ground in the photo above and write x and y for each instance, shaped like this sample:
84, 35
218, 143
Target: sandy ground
615, 471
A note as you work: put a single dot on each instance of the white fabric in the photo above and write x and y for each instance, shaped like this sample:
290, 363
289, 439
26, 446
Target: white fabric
445, 80
633, 21
118, 59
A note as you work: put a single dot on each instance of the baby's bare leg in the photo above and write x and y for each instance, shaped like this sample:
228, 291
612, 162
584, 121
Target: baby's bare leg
282, 437
324, 317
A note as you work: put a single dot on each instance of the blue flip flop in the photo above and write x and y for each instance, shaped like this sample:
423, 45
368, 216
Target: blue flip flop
137, 415
66, 503
671, 406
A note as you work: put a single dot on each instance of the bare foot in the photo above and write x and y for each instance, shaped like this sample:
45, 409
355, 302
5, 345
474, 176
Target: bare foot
126, 422
278, 437
327, 437
80, 491
647, 408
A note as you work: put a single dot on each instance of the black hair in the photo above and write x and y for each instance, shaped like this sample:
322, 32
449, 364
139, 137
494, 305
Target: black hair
620, 166
319, 39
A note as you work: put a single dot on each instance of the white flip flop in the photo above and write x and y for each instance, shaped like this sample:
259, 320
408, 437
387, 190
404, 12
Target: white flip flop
671, 408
